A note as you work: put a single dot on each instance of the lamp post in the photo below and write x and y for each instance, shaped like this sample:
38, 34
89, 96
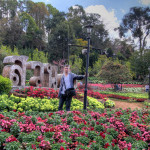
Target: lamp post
89, 29
149, 83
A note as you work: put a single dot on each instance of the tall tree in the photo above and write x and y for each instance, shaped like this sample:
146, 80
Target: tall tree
32, 32
77, 16
13, 33
140, 64
137, 21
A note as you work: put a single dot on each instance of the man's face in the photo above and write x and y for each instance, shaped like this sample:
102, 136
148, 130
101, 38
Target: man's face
66, 69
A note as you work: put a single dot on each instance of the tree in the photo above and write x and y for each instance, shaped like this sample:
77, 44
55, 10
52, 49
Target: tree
76, 17
109, 52
33, 35
8, 9
6, 51
115, 73
140, 64
39, 56
137, 21
39, 12
102, 59
13, 33
76, 64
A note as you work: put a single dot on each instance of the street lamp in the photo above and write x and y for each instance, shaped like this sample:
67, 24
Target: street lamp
149, 83
89, 29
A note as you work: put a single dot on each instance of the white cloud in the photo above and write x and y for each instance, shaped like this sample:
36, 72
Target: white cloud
108, 17
123, 11
145, 2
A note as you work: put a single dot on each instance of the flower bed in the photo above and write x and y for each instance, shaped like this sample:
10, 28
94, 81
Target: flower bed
39, 92
105, 86
75, 130
126, 98
44, 104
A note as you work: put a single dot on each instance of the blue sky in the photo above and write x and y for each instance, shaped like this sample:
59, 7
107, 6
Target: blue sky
111, 11
119, 6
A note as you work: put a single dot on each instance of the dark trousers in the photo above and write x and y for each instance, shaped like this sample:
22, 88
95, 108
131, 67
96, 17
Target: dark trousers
66, 99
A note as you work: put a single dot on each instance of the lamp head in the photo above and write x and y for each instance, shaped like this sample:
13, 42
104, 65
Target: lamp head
89, 28
84, 51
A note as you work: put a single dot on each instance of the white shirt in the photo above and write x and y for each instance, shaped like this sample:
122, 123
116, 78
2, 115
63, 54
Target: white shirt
67, 83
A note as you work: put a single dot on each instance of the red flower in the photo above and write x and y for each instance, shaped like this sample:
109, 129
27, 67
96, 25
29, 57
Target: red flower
14, 110
112, 144
92, 129
50, 114
97, 123
102, 135
11, 139
33, 146
62, 148
106, 145
3, 130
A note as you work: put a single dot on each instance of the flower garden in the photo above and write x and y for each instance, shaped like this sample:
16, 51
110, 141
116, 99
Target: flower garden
34, 122
80, 130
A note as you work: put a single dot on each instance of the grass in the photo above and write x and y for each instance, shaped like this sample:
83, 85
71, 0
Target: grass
135, 95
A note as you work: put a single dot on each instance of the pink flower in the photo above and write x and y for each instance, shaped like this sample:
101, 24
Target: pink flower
45, 145
11, 139
40, 138
1, 116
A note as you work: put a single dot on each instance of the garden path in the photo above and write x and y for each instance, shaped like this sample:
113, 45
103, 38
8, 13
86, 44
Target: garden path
124, 105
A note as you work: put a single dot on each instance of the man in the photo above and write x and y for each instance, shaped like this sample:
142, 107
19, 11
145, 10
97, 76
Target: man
67, 84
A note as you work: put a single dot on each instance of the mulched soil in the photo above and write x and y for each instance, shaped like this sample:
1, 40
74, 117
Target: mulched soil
132, 105
123, 104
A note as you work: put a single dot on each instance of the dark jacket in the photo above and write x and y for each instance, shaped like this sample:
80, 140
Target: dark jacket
72, 77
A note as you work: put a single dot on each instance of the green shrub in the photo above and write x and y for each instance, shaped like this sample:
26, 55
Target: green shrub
3, 137
12, 145
15, 129
5, 85
140, 145
109, 104
84, 140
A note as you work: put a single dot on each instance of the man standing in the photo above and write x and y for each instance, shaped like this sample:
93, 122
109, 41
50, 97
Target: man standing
66, 90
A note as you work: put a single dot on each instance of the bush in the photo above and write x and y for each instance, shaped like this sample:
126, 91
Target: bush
5, 85
109, 104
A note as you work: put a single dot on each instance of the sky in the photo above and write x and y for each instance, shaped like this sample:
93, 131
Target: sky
111, 11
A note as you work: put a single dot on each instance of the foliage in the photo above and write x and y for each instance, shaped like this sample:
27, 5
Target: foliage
93, 103
45, 104
76, 64
27, 25
128, 94
6, 51
102, 59
137, 22
109, 104
115, 73
140, 64
29, 74
5, 85
39, 56
88, 129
